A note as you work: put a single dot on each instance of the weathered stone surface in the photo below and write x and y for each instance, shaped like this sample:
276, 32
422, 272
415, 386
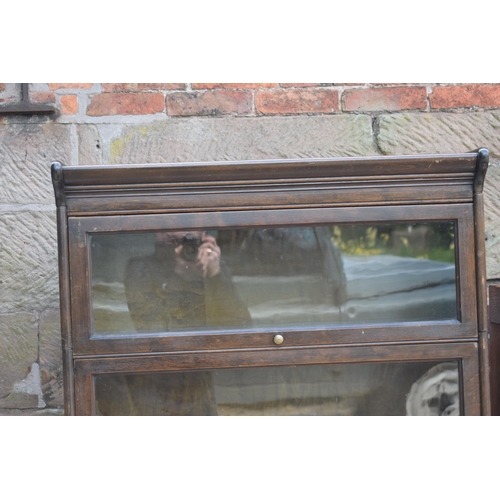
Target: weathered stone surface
415, 133
51, 358
492, 220
243, 138
26, 152
27, 393
453, 133
90, 146
20, 399
18, 352
44, 412
28, 261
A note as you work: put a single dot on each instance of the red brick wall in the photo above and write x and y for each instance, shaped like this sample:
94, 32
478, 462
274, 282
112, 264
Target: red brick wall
256, 99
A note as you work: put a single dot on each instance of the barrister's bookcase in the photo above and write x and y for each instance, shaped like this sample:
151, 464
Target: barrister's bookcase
337, 286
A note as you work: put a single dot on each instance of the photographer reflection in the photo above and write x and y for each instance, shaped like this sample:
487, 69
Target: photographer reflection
183, 285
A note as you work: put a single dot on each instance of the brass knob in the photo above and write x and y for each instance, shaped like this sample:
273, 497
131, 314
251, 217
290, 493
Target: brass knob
278, 339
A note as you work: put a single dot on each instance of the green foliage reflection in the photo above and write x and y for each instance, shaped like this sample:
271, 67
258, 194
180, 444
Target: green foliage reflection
434, 241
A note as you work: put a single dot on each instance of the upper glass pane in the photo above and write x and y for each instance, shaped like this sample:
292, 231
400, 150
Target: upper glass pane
149, 282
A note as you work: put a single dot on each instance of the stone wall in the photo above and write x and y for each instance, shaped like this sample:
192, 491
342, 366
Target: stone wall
98, 123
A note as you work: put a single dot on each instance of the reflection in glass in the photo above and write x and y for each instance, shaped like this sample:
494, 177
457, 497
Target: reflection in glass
424, 388
264, 277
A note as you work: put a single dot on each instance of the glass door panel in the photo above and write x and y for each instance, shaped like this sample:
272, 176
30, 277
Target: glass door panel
175, 281
410, 388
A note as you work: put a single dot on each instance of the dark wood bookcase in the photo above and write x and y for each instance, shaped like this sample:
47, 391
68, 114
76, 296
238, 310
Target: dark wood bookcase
336, 286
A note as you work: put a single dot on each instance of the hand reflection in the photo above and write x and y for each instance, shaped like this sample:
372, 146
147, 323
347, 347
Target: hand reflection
196, 254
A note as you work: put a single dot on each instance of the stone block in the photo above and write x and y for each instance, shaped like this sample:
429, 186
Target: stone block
26, 152
420, 133
232, 138
44, 412
492, 220
18, 352
51, 358
91, 145
20, 399
453, 133
28, 261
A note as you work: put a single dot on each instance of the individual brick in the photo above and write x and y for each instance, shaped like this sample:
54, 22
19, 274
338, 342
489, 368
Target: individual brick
42, 97
60, 86
296, 101
210, 86
126, 104
210, 103
466, 96
2, 87
69, 104
384, 99
301, 85
141, 87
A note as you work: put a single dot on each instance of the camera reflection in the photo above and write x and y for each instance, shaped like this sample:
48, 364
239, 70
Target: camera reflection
265, 277
183, 284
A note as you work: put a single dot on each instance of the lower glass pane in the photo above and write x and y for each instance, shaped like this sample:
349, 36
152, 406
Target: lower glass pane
410, 388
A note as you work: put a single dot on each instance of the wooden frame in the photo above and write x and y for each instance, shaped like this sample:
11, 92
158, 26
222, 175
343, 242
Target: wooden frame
111, 199
80, 228
465, 353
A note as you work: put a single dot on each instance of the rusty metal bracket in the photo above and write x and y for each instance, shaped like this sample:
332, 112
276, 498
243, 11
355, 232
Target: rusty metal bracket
26, 107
